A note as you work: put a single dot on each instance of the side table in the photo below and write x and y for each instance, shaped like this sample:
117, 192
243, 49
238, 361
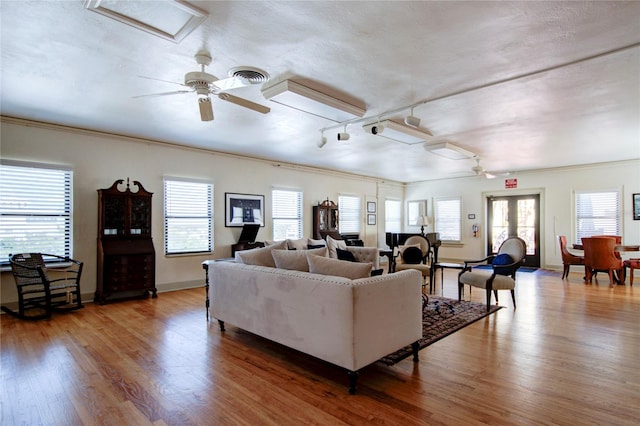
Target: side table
442, 266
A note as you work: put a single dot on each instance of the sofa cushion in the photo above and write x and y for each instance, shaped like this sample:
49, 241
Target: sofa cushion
272, 242
313, 242
345, 255
340, 268
260, 256
295, 260
332, 245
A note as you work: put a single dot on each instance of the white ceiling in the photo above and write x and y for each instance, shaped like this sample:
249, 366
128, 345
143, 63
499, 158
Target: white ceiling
525, 85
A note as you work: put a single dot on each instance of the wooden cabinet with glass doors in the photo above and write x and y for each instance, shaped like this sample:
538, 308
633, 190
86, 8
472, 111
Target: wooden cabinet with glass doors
325, 220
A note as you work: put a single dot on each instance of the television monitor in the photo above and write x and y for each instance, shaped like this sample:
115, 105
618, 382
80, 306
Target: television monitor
249, 233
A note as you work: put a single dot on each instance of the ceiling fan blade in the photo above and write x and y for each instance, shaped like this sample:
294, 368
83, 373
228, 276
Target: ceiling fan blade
153, 95
244, 103
490, 175
206, 109
229, 83
164, 81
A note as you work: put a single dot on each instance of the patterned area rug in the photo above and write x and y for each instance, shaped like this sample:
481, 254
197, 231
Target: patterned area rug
440, 318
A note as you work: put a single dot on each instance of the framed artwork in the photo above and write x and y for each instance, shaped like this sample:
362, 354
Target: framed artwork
371, 219
243, 209
371, 206
636, 206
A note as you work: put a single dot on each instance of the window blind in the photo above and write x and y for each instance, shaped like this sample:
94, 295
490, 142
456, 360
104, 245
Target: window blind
448, 218
349, 215
286, 214
35, 210
392, 216
597, 213
188, 217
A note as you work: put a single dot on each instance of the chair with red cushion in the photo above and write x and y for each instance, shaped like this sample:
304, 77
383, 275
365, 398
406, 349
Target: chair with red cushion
632, 264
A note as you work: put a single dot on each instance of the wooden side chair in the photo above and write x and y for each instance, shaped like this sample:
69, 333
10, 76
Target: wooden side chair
43, 290
568, 258
600, 256
501, 276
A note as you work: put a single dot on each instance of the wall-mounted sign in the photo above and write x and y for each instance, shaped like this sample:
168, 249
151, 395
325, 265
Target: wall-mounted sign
511, 183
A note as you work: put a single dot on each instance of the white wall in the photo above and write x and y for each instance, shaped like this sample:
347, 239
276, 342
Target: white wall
98, 160
556, 189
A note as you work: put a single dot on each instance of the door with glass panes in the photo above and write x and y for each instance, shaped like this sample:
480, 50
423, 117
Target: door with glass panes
517, 215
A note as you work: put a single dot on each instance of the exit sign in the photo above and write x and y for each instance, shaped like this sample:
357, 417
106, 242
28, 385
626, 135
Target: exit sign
511, 183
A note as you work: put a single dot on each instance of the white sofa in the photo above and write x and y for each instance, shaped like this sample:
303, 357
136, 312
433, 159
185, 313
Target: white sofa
349, 323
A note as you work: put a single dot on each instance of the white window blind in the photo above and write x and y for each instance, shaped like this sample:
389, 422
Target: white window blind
392, 216
286, 214
35, 210
188, 216
448, 218
349, 214
597, 213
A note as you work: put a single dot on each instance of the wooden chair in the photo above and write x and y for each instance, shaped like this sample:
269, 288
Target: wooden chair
414, 254
568, 258
632, 264
501, 276
43, 290
600, 256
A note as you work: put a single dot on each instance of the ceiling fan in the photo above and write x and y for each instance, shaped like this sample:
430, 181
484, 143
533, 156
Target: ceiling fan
205, 84
479, 170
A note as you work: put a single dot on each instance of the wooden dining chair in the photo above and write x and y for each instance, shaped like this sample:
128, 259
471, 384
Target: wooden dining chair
568, 258
600, 256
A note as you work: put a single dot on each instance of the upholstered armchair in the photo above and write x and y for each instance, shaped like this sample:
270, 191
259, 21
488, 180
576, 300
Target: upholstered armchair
502, 275
414, 254
568, 258
600, 256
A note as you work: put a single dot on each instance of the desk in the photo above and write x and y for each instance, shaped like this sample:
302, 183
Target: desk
442, 266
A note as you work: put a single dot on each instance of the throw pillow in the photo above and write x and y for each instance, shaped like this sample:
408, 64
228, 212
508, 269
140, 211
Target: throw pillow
502, 259
259, 256
315, 246
295, 260
376, 272
401, 250
300, 244
332, 245
340, 268
313, 242
345, 255
412, 255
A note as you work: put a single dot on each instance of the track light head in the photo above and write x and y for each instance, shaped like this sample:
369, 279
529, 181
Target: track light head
410, 120
343, 136
321, 142
374, 128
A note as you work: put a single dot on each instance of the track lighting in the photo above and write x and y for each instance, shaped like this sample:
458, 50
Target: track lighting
410, 120
343, 136
322, 141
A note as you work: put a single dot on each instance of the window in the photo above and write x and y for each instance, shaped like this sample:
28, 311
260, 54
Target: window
448, 218
349, 214
597, 213
392, 216
35, 210
188, 216
286, 214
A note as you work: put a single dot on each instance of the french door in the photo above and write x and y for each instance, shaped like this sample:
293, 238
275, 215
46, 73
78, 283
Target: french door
517, 215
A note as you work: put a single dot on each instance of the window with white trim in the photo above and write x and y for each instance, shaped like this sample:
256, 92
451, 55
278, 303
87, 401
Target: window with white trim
392, 216
448, 218
35, 209
597, 213
349, 214
286, 214
188, 216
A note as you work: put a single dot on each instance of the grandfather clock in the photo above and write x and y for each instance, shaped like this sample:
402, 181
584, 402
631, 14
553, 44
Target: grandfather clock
126, 256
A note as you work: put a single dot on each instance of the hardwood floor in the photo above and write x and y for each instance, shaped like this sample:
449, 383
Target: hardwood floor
569, 354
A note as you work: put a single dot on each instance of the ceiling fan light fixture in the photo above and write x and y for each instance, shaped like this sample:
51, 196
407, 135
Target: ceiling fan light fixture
206, 109
448, 150
295, 95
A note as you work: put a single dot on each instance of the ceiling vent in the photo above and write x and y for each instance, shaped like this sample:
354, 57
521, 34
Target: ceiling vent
251, 74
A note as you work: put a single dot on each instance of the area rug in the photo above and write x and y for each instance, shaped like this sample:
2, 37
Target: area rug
440, 318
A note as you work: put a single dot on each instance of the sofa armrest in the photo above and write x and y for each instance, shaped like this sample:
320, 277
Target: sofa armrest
366, 254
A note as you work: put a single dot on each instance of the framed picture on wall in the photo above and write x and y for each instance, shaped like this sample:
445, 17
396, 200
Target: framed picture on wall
636, 206
371, 219
371, 206
243, 209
